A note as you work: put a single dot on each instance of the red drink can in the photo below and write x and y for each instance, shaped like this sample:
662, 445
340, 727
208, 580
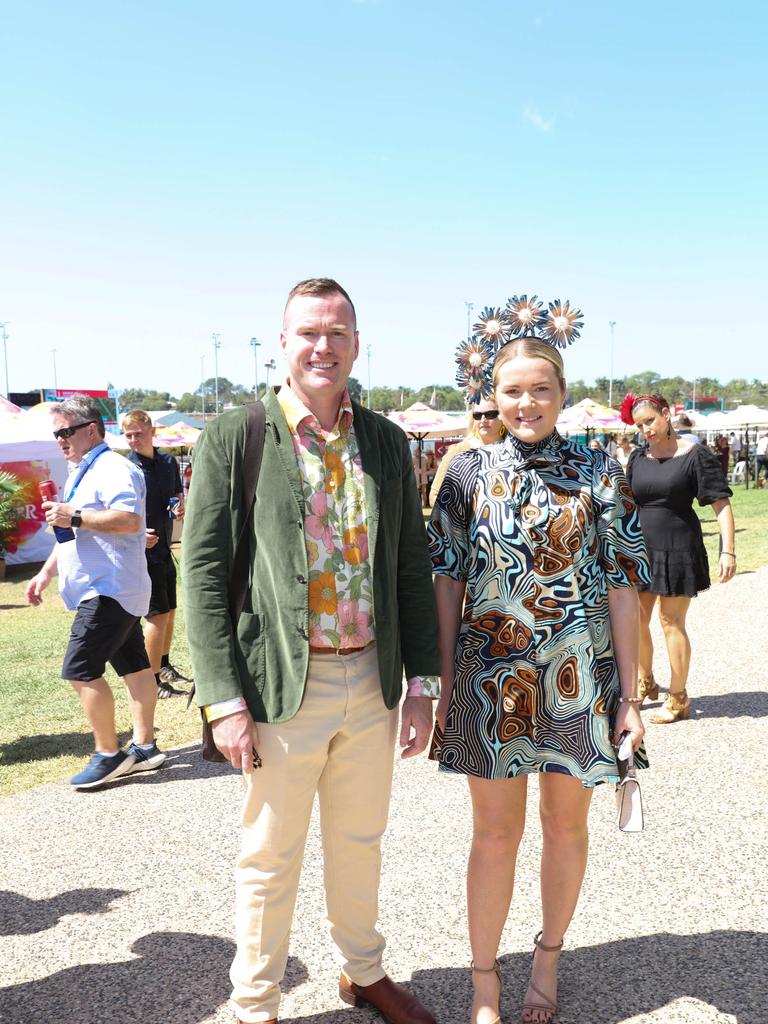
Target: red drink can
49, 491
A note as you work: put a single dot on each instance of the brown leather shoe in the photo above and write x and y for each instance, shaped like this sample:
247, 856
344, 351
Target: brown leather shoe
396, 1004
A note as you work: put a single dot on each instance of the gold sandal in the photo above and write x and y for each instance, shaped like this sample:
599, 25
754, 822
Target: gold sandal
546, 1008
647, 687
490, 970
674, 709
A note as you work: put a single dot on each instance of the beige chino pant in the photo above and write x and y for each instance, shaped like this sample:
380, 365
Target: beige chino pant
340, 745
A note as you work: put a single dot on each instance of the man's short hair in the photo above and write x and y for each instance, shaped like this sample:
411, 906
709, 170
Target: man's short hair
319, 286
80, 409
136, 417
684, 421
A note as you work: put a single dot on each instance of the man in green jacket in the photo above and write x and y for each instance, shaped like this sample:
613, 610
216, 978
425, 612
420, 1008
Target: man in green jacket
339, 605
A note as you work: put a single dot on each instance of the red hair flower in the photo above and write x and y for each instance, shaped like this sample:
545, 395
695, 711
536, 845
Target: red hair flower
625, 409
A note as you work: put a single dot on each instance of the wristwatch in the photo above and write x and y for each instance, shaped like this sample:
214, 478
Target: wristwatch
77, 518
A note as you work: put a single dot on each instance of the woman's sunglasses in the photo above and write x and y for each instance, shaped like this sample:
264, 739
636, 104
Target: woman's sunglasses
69, 431
489, 414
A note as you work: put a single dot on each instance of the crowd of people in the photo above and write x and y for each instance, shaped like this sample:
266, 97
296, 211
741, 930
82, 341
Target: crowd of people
522, 611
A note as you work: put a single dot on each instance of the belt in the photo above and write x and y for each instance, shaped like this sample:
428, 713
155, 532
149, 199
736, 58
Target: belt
340, 651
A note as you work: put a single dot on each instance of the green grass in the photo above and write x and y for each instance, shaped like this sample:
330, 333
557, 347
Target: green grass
750, 511
43, 735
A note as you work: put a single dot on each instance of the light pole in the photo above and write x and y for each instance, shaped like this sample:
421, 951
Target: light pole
202, 384
216, 346
470, 306
255, 345
55, 377
368, 350
694, 395
5, 357
611, 324
269, 365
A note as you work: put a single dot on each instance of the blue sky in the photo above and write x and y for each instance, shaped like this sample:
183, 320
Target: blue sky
171, 169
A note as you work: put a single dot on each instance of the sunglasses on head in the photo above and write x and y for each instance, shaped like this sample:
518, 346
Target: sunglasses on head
489, 414
69, 431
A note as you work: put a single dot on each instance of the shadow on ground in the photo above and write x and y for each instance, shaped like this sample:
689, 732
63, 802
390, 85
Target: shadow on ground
750, 704
177, 978
611, 983
20, 915
181, 978
182, 765
26, 749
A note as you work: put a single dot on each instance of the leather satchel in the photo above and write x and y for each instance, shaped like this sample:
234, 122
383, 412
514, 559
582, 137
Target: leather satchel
238, 577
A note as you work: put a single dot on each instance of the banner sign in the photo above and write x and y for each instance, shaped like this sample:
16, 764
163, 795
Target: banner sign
106, 401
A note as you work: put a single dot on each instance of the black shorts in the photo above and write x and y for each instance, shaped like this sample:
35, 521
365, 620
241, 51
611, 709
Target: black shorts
103, 631
163, 576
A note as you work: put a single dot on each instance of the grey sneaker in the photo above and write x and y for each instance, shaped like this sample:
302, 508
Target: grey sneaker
144, 760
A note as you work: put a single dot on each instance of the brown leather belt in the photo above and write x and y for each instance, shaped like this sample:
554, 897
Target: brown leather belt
340, 651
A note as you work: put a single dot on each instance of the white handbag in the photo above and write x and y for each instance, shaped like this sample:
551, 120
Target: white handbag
629, 801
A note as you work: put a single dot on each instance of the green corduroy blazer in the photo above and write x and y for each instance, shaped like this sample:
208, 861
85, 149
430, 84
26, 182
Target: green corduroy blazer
266, 659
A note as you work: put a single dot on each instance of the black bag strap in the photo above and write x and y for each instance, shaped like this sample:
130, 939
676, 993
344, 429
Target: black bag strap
256, 423
255, 430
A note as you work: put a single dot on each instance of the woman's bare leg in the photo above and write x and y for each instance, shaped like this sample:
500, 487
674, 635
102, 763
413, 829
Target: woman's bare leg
645, 653
563, 806
672, 613
498, 815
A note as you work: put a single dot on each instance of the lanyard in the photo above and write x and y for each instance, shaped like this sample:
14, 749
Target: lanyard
85, 464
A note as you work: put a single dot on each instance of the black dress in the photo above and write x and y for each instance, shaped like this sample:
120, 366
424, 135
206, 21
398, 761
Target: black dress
664, 490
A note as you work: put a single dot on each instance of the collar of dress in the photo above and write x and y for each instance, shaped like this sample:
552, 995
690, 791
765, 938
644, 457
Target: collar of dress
547, 452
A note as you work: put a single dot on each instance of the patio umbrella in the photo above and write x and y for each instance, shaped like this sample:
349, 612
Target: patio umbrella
420, 422
589, 415
8, 407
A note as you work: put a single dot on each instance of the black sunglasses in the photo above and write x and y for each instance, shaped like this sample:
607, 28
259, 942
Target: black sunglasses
69, 431
489, 414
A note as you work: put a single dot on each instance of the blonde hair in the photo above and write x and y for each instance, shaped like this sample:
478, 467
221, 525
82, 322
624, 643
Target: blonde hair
534, 348
134, 417
473, 428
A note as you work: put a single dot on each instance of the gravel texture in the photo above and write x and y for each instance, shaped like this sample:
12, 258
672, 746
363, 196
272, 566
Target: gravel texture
116, 906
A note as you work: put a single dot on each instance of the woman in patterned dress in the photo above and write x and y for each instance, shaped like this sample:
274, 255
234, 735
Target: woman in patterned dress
538, 554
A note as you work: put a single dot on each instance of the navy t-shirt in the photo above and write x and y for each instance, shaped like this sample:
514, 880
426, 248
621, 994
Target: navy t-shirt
163, 480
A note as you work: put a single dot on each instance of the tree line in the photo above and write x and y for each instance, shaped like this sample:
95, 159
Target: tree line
738, 391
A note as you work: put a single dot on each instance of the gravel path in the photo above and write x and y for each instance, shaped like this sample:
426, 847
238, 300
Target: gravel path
116, 907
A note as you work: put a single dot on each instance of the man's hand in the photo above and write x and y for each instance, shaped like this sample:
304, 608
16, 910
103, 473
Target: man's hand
178, 512
152, 539
415, 725
236, 737
35, 588
58, 513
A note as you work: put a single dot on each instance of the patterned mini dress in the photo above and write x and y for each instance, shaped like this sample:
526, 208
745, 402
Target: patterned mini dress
539, 534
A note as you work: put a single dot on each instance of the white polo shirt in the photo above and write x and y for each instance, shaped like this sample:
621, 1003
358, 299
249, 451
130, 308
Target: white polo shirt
107, 564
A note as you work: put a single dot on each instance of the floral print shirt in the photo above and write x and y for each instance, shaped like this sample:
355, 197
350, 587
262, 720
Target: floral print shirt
336, 532
335, 526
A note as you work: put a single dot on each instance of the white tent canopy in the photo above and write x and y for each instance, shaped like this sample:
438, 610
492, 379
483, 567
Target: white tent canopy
747, 416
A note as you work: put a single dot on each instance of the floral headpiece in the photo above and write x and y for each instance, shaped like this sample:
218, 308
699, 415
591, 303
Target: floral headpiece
630, 401
559, 325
